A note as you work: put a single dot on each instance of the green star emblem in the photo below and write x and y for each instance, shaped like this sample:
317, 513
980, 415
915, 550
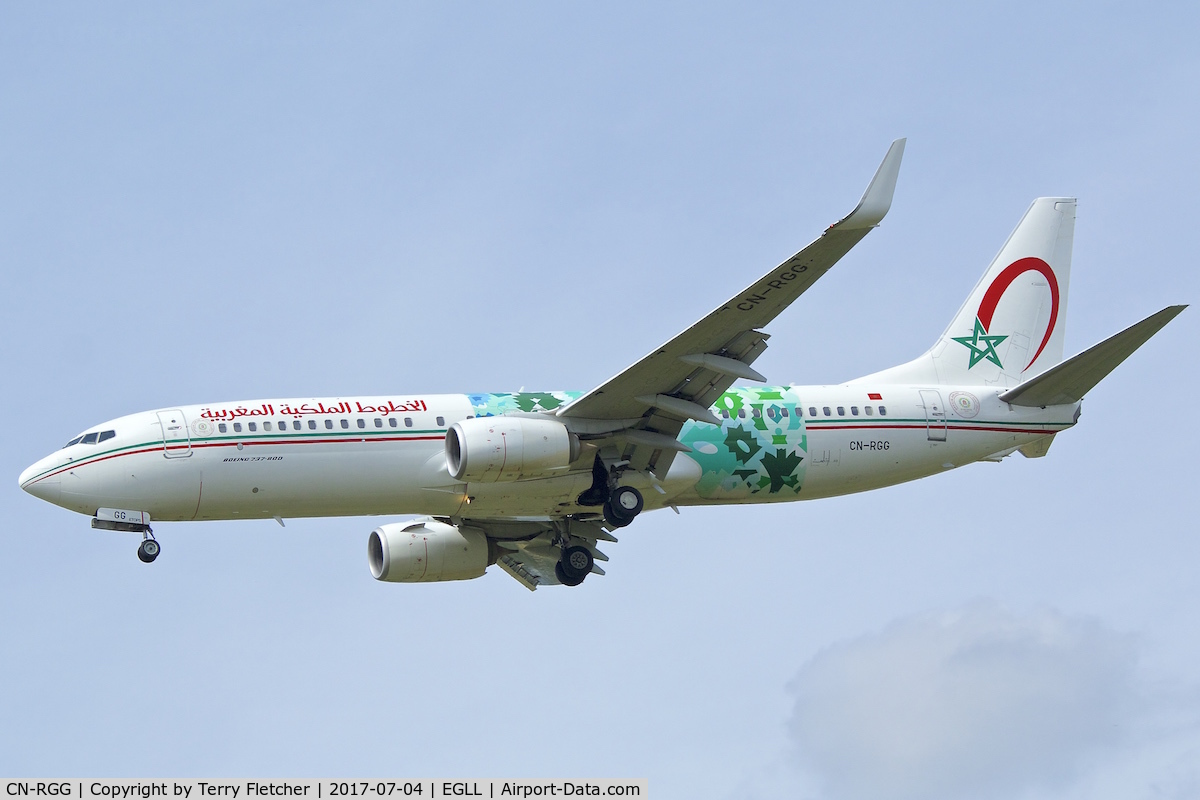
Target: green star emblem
981, 351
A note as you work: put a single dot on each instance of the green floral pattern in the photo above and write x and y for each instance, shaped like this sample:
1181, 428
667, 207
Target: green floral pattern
492, 405
761, 446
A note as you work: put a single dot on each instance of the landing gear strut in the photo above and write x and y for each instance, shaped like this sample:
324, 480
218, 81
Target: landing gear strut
622, 506
575, 565
148, 550
621, 503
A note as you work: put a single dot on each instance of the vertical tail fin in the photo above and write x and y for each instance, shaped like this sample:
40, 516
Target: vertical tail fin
1013, 323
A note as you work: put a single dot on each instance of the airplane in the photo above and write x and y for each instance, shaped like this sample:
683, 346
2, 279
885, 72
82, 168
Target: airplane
534, 481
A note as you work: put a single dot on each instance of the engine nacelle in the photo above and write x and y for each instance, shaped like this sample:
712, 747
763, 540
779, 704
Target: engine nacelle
426, 550
491, 449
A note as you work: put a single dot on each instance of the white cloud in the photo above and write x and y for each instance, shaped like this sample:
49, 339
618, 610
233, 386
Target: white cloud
973, 703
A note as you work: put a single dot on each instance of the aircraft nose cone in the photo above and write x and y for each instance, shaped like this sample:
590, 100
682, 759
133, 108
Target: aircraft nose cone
48, 489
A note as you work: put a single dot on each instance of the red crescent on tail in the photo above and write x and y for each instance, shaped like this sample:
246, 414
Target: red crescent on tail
991, 298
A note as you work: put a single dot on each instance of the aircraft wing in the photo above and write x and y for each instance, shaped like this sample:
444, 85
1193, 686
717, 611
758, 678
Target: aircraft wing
650, 401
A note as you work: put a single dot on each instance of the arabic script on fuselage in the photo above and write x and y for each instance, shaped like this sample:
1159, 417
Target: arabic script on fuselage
315, 408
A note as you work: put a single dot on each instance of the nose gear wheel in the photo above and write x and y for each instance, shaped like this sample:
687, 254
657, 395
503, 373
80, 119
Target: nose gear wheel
149, 549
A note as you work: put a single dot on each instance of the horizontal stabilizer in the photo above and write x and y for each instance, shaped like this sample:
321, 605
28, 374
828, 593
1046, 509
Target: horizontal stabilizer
1069, 381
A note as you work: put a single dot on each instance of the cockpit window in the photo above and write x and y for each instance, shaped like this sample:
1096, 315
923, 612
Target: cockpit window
73, 441
106, 435
89, 438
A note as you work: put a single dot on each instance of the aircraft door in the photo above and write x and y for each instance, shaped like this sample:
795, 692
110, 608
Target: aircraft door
935, 414
177, 443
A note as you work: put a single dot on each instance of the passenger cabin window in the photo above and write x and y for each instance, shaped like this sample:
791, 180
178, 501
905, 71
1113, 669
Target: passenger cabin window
785, 411
882, 411
391, 422
237, 427
441, 421
841, 411
741, 413
869, 410
266, 426
283, 425
378, 422
89, 438
329, 424
362, 423
222, 427
826, 410
252, 426
312, 424
812, 411
345, 423
725, 413
854, 411
408, 422
754, 412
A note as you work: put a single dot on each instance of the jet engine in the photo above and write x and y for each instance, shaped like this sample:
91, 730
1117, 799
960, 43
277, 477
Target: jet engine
426, 550
491, 449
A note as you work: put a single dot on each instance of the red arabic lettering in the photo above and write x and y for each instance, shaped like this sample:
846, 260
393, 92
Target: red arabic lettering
391, 407
383, 408
265, 410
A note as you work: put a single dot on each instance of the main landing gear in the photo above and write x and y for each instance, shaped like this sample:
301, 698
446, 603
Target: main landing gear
622, 506
621, 503
575, 565
148, 550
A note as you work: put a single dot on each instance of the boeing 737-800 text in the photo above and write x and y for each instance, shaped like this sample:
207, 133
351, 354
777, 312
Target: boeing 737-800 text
533, 481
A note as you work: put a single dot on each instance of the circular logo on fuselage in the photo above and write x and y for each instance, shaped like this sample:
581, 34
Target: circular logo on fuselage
964, 404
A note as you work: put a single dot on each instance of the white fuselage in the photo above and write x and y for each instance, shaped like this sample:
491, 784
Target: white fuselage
335, 457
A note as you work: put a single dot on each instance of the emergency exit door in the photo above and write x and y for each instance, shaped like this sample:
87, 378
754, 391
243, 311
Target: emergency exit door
176, 441
935, 414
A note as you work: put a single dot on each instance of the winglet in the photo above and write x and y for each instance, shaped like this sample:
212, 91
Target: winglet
876, 201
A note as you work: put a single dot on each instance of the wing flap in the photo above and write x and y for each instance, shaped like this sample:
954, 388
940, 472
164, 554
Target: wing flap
1069, 381
528, 551
519, 572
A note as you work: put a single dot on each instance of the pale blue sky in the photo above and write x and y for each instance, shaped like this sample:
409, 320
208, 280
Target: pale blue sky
233, 201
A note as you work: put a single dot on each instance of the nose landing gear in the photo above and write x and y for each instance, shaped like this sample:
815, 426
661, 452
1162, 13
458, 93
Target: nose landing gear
148, 550
116, 519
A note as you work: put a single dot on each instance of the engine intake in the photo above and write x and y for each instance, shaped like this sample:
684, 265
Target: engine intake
426, 550
492, 449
